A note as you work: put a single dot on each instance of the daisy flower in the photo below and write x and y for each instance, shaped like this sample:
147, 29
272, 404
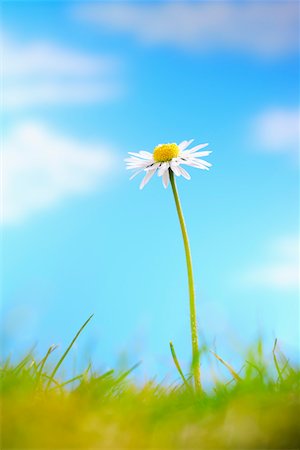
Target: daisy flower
166, 157
167, 160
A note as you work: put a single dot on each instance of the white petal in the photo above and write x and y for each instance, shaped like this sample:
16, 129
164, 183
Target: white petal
165, 166
184, 173
141, 155
134, 162
136, 173
184, 144
204, 163
135, 154
147, 178
153, 166
198, 147
175, 168
197, 164
146, 154
206, 153
137, 160
166, 179
136, 166
199, 161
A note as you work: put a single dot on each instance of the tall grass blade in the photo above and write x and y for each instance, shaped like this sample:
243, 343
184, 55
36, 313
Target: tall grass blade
125, 374
78, 377
43, 362
66, 352
276, 361
176, 362
106, 374
231, 370
258, 370
22, 363
51, 380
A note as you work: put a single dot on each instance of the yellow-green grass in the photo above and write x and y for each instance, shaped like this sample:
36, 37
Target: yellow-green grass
259, 408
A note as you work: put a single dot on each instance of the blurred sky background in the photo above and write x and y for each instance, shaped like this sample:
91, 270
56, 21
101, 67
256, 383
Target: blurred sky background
84, 83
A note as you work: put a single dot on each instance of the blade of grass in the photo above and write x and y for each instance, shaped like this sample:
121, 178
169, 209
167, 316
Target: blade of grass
176, 362
255, 367
125, 374
51, 380
229, 382
284, 362
43, 362
23, 363
231, 370
286, 365
86, 372
78, 377
106, 374
66, 352
276, 361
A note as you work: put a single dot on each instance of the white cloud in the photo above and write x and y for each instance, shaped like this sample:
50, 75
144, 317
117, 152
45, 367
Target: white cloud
280, 271
47, 93
287, 247
46, 58
257, 27
42, 73
275, 276
40, 168
277, 130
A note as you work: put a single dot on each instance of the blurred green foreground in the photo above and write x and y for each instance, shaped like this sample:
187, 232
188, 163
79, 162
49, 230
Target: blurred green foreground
257, 409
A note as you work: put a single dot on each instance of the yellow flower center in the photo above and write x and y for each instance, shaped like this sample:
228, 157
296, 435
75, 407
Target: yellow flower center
165, 152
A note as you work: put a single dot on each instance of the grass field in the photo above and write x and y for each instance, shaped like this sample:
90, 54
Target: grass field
259, 408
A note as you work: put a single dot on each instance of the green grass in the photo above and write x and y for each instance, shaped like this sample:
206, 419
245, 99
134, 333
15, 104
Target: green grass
257, 408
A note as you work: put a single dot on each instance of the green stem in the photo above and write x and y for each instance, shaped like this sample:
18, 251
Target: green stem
193, 317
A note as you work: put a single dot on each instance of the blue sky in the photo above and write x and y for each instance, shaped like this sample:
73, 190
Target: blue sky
86, 83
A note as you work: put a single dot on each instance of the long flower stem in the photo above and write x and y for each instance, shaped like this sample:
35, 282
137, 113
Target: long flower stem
193, 317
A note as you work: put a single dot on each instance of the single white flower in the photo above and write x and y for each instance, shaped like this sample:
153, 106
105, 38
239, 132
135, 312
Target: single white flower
167, 157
